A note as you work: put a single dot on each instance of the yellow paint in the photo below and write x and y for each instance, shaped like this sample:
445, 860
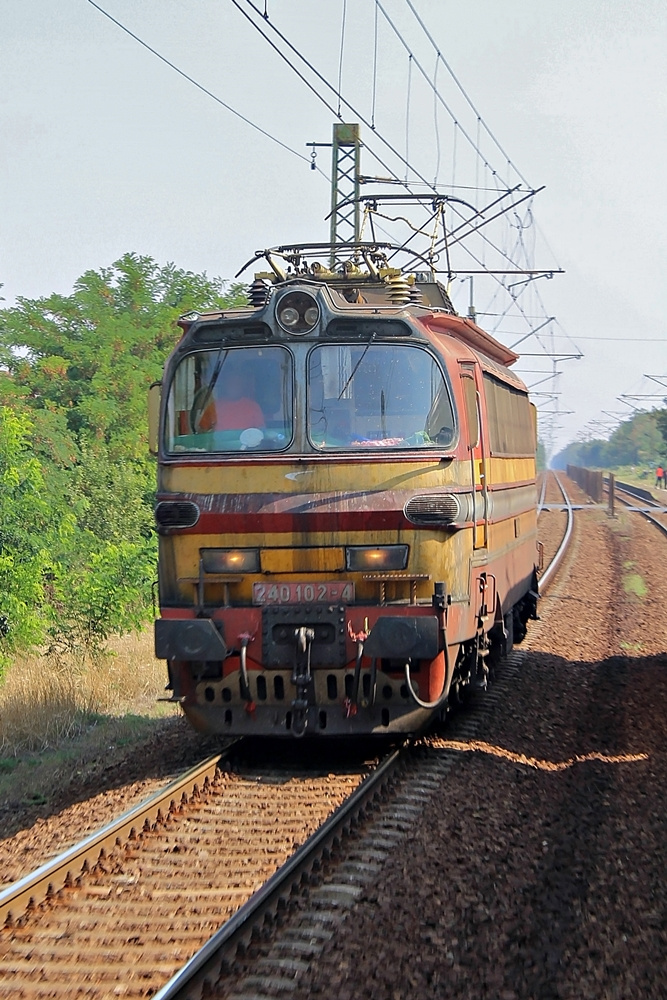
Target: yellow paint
312, 560
510, 470
335, 477
309, 477
439, 554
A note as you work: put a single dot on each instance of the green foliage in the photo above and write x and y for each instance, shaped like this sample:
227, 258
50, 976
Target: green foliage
110, 594
661, 422
637, 441
87, 359
31, 528
77, 544
114, 500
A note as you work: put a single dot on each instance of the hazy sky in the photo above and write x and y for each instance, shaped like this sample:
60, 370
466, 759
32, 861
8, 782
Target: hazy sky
106, 149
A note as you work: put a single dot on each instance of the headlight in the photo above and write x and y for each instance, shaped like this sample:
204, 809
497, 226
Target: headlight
230, 560
289, 316
298, 312
380, 558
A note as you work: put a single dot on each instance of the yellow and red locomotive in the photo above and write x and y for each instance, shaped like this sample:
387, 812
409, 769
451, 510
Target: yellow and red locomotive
346, 503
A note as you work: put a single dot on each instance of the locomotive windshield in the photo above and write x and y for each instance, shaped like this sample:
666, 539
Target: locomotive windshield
360, 397
377, 396
231, 399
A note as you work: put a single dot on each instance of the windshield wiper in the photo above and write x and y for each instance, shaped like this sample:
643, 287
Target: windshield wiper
354, 370
204, 393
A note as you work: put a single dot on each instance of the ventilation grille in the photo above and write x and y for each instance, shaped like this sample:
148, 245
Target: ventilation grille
176, 514
438, 508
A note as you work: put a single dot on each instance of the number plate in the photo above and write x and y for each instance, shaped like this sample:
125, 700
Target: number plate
302, 593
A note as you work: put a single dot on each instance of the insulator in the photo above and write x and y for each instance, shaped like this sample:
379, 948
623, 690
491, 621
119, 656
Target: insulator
259, 293
399, 290
416, 295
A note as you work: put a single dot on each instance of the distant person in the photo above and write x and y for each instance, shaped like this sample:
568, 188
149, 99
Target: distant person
659, 477
234, 409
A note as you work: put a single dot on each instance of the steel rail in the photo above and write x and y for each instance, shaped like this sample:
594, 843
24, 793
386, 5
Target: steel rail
32, 889
549, 574
540, 503
205, 963
639, 494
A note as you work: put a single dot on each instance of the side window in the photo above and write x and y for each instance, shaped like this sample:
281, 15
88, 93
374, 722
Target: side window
511, 421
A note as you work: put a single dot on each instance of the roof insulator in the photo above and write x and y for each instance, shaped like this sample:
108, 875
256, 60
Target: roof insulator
399, 289
259, 293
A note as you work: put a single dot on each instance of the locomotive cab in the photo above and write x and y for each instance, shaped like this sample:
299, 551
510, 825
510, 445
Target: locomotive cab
341, 528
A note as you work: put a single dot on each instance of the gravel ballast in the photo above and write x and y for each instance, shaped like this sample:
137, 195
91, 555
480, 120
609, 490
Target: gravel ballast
537, 871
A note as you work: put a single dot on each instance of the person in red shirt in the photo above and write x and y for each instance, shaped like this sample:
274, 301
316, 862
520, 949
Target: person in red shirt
659, 476
233, 410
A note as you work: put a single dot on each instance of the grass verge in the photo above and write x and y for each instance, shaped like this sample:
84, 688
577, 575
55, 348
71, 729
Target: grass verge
61, 718
47, 701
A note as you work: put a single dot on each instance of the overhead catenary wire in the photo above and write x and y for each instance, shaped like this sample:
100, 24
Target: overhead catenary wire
439, 96
199, 86
465, 225
458, 83
407, 119
359, 114
342, 50
375, 65
436, 127
348, 104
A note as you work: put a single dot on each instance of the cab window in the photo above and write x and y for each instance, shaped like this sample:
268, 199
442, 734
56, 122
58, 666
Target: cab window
377, 397
231, 399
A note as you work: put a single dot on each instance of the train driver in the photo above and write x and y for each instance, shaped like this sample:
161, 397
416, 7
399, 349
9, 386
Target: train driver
233, 407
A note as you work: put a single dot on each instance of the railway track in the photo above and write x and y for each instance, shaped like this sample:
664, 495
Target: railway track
161, 899
549, 573
648, 506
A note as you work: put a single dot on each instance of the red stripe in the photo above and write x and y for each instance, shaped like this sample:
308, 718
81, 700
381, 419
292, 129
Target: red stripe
334, 521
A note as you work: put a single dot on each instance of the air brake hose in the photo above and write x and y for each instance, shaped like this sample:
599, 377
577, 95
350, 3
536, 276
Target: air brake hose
442, 697
374, 678
357, 672
245, 683
360, 639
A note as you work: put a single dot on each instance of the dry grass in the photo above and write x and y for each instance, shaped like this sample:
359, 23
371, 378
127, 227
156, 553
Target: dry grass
46, 701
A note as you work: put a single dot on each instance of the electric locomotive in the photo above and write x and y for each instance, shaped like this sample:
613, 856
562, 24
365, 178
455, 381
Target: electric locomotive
346, 502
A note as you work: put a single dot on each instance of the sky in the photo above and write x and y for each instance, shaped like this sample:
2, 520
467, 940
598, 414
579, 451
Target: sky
106, 150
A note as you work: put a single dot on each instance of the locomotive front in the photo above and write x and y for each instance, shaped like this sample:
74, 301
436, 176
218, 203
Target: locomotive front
305, 585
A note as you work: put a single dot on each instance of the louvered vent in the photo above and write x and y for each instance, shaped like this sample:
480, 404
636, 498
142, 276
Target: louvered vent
436, 508
176, 514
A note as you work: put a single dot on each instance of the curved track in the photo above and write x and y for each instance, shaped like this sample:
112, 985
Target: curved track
549, 573
75, 941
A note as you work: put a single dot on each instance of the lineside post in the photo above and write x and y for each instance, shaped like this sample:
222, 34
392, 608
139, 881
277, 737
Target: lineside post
612, 495
345, 168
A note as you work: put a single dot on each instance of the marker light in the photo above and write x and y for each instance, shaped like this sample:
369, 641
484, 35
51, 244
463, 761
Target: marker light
380, 558
230, 560
298, 312
174, 514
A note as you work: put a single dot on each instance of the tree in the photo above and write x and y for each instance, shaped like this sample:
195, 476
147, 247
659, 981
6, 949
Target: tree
637, 441
661, 422
77, 543
84, 361
32, 527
